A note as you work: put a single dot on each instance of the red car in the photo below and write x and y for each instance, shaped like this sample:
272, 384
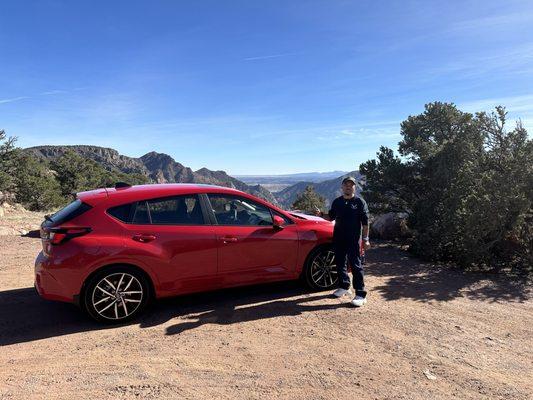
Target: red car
113, 250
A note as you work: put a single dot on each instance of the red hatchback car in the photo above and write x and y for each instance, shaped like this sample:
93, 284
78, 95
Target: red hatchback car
113, 250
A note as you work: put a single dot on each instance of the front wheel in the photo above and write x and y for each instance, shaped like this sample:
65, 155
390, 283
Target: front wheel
116, 295
320, 270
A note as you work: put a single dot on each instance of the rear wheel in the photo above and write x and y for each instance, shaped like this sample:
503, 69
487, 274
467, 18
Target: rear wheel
116, 295
320, 270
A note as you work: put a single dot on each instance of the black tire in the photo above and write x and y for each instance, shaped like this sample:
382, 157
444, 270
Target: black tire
320, 272
104, 300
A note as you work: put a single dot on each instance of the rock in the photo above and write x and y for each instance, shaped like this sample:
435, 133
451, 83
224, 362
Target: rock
429, 375
390, 226
1, 211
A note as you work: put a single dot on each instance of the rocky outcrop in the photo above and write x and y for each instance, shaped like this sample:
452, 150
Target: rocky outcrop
163, 169
108, 158
390, 226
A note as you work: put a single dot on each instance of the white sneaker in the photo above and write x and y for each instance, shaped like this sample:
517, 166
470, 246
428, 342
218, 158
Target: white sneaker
341, 292
358, 301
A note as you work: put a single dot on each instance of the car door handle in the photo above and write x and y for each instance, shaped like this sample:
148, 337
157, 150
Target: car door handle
143, 237
229, 239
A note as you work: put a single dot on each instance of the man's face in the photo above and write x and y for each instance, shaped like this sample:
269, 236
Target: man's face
348, 188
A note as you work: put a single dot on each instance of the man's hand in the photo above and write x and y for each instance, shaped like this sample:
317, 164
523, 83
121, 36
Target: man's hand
366, 244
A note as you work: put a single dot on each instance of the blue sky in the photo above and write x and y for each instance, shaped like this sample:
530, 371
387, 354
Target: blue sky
255, 87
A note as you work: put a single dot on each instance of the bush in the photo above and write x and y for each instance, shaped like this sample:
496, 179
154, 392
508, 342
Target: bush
466, 184
36, 186
8, 156
309, 200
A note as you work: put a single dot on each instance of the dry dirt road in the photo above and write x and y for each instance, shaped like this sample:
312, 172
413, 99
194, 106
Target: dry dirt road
426, 333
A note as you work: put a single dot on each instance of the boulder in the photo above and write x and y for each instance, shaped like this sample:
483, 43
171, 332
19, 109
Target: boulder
390, 226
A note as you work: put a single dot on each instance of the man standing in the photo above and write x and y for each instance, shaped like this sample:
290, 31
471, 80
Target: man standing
350, 213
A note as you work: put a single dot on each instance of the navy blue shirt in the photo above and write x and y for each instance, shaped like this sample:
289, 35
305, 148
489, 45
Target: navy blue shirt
349, 215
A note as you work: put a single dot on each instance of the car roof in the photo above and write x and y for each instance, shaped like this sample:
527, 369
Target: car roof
137, 192
126, 194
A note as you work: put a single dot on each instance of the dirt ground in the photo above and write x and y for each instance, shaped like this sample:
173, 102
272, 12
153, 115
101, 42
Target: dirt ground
427, 333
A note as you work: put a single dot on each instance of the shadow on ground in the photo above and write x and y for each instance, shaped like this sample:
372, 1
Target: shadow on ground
25, 317
409, 278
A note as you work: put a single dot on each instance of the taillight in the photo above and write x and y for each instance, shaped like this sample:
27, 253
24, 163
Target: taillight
62, 234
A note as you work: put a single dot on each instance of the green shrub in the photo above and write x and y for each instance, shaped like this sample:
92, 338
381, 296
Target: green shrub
309, 200
466, 184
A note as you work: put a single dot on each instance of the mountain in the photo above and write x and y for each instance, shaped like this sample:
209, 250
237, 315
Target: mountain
110, 159
329, 189
157, 167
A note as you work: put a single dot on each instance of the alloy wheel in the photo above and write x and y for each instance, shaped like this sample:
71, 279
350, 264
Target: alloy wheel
323, 270
117, 296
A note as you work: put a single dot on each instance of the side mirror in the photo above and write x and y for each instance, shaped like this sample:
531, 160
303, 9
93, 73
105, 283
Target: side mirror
278, 222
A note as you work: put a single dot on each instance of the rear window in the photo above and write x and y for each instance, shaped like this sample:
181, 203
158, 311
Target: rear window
71, 211
175, 210
121, 212
141, 215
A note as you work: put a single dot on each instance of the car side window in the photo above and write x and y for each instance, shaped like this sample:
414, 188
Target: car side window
235, 210
175, 210
141, 216
121, 212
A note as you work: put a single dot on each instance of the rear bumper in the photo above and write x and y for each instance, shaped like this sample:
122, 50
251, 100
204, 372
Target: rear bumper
51, 282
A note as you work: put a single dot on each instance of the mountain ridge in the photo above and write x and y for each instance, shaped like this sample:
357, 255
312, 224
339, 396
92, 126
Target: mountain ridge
157, 167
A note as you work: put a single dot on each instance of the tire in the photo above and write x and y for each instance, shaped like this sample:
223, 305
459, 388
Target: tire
104, 300
320, 271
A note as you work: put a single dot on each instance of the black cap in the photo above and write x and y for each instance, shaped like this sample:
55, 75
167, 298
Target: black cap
349, 179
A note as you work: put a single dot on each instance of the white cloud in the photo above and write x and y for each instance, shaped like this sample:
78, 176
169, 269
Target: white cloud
517, 107
513, 104
269, 56
3, 101
491, 22
51, 92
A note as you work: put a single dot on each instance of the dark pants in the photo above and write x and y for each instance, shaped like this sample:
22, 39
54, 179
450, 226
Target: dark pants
350, 252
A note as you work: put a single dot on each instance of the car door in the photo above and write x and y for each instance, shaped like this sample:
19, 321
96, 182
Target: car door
171, 235
250, 248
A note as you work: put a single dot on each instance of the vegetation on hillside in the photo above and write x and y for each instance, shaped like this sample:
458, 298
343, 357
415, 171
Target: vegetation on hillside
43, 185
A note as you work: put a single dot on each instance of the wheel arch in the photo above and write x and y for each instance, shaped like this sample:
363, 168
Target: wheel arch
79, 299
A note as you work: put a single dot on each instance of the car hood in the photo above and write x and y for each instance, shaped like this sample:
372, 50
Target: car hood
301, 217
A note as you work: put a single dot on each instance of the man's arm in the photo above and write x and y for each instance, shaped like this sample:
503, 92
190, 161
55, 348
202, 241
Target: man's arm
330, 216
323, 215
364, 222
365, 231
